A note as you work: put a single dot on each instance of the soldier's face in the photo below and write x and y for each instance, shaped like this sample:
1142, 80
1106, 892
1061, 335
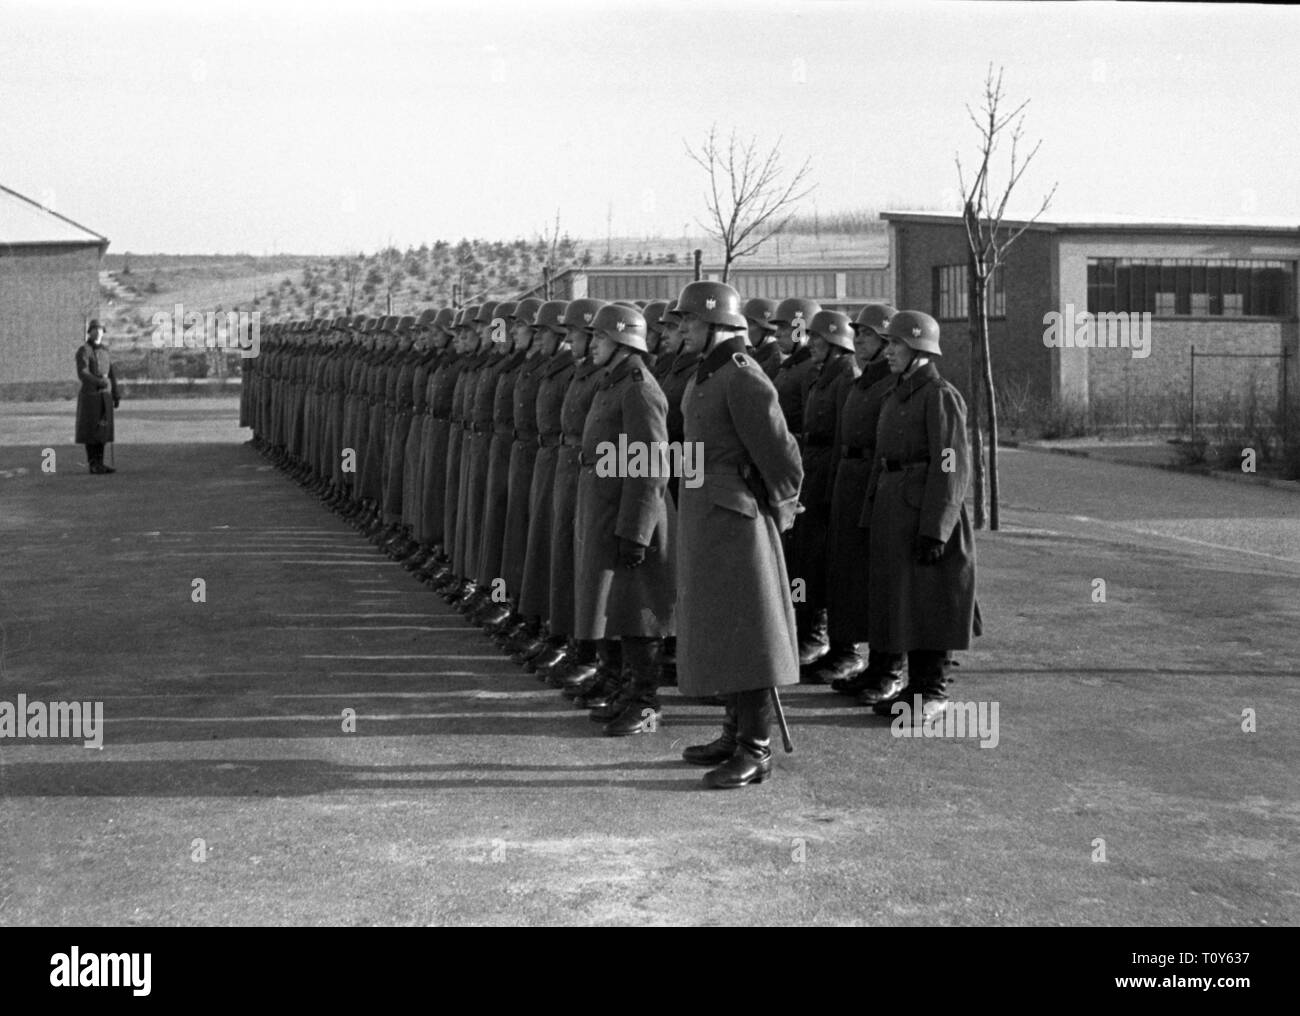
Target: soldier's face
820, 349
785, 338
695, 333
898, 355
551, 340
866, 343
579, 340
603, 349
756, 335
97, 337
522, 333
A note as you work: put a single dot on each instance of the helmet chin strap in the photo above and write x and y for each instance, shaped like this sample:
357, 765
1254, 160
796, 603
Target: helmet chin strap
918, 361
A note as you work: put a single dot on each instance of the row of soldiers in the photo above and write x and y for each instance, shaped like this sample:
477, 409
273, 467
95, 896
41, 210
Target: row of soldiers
795, 512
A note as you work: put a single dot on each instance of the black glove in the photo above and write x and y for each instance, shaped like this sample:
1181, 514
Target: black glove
928, 550
116, 402
630, 555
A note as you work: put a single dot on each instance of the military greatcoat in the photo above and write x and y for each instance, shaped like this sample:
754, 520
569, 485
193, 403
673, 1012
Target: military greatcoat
735, 622
917, 488
613, 601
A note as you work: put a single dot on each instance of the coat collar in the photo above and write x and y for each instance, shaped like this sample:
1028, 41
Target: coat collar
907, 387
585, 369
613, 375
721, 353
801, 354
683, 362
559, 362
831, 368
876, 369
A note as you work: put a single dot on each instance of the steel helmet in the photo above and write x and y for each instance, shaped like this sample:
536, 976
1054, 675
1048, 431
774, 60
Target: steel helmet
834, 327
444, 321
759, 311
505, 310
624, 325
425, 321
551, 315
627, 303
526, 310
714, 302
465, 316
794, 309
917, 330
581, 313
486, 312
876, 317
653, 311
405, 324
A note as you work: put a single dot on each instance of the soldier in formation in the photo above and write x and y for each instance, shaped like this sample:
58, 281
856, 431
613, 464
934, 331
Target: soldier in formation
492, 450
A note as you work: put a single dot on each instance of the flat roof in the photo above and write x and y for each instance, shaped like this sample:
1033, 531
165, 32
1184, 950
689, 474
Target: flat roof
26, 222
748, 266
1116, 223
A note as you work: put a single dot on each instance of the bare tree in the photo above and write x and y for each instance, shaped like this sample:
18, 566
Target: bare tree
749, 198
552, 256
988, 240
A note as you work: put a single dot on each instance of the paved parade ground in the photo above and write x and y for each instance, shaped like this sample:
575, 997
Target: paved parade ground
1120, 787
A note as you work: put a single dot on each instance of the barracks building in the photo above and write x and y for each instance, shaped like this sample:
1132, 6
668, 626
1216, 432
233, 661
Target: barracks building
49, 289
1218, 288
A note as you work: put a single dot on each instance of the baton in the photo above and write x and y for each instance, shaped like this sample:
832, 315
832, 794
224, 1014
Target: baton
780, 720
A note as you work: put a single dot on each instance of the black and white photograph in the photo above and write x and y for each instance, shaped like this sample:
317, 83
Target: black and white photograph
637, 463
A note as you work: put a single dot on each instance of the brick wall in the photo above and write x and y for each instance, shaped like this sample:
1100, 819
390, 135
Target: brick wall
1122, 390
46, 292
1016, 340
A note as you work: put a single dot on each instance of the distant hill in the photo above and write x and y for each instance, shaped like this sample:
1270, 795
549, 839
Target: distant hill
133, 287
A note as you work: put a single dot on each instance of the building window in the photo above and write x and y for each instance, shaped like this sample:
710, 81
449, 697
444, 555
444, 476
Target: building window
951, 293
1191, 287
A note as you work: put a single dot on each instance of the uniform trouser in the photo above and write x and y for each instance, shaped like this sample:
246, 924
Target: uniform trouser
94, 453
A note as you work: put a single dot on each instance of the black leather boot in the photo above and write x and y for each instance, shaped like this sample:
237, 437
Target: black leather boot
927, 676
604, 699
721, 747
813, 640
883, 678
640, 699
841, 663
752, 760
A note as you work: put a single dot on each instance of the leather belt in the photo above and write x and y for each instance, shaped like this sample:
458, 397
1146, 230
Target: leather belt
549, 440
849, 452
527, 436
572, 442
897, 465
503, 430
818, 441
481, 428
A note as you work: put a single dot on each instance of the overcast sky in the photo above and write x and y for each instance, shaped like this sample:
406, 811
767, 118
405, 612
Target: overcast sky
332, 127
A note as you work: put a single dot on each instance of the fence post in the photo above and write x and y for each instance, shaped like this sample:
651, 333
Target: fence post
1193, 392
1286, 406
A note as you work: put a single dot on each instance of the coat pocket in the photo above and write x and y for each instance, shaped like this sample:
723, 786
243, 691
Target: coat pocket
733, 499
